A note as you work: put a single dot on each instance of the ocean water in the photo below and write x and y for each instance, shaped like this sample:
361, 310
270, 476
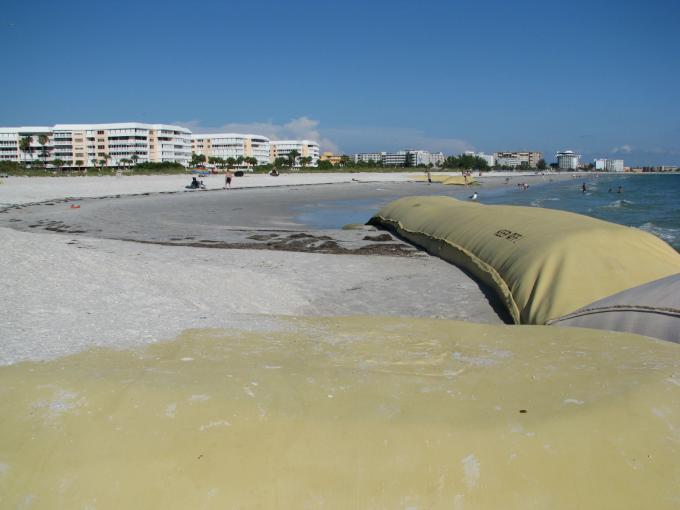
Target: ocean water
648, 202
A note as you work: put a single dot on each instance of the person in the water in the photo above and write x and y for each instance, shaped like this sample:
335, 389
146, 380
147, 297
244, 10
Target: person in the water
620, 189
583, 188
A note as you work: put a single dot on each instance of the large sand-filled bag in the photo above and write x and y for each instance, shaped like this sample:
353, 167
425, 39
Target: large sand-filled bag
349, 413
652, 309
459, 180
433, 177
542, 263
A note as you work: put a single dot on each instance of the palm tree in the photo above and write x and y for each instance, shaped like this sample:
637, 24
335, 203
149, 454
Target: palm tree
105, 158
134, 159
25, 143
292, 156
42, 140
240, 160
231, 162
58, 163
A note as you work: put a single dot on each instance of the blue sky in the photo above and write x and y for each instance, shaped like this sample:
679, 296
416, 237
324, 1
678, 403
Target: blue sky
598, 77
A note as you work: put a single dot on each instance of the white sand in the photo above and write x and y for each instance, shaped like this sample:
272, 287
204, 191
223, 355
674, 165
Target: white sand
19, 190
58, 298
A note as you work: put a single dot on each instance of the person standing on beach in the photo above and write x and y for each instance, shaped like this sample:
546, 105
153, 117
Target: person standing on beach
227, 179
429, 177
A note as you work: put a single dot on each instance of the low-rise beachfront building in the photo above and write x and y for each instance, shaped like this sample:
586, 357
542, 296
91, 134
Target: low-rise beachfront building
333, 159
568, 160
87, 145
609, 165
304, 148
517, 159
231, 145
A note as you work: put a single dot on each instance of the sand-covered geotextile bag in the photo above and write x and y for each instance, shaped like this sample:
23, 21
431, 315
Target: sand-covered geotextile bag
349, 412
542, 263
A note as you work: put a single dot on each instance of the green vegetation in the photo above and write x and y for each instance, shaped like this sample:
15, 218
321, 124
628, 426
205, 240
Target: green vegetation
38, 170
466, 162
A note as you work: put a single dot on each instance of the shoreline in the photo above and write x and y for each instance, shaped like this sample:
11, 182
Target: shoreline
25, 190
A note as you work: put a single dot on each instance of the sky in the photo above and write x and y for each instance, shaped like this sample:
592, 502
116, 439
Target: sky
598, 77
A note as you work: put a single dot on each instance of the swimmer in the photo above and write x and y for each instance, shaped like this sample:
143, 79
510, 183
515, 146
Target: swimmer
474, 196
583, 188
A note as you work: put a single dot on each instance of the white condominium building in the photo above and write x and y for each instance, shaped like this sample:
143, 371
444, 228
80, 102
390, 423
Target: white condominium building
10, 143
86, 145
305, 149
232, 145
609, 165
515, 159
568, 160
416, 158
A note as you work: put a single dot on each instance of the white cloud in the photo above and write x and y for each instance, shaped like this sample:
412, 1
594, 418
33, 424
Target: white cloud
298, 128
624, 149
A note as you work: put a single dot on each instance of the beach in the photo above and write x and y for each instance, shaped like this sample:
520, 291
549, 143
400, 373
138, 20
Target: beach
65, 292
263, 344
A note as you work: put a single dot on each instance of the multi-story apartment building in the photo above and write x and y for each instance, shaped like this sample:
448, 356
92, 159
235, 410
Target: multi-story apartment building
568, 160
609, 165
232, 145
305, 149
368, 157
437, 158
418, 157
10, 143
516, 159
401, 158
86, 145
394, 158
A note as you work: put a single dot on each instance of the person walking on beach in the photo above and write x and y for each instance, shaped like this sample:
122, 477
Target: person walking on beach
227, 179
429, 177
